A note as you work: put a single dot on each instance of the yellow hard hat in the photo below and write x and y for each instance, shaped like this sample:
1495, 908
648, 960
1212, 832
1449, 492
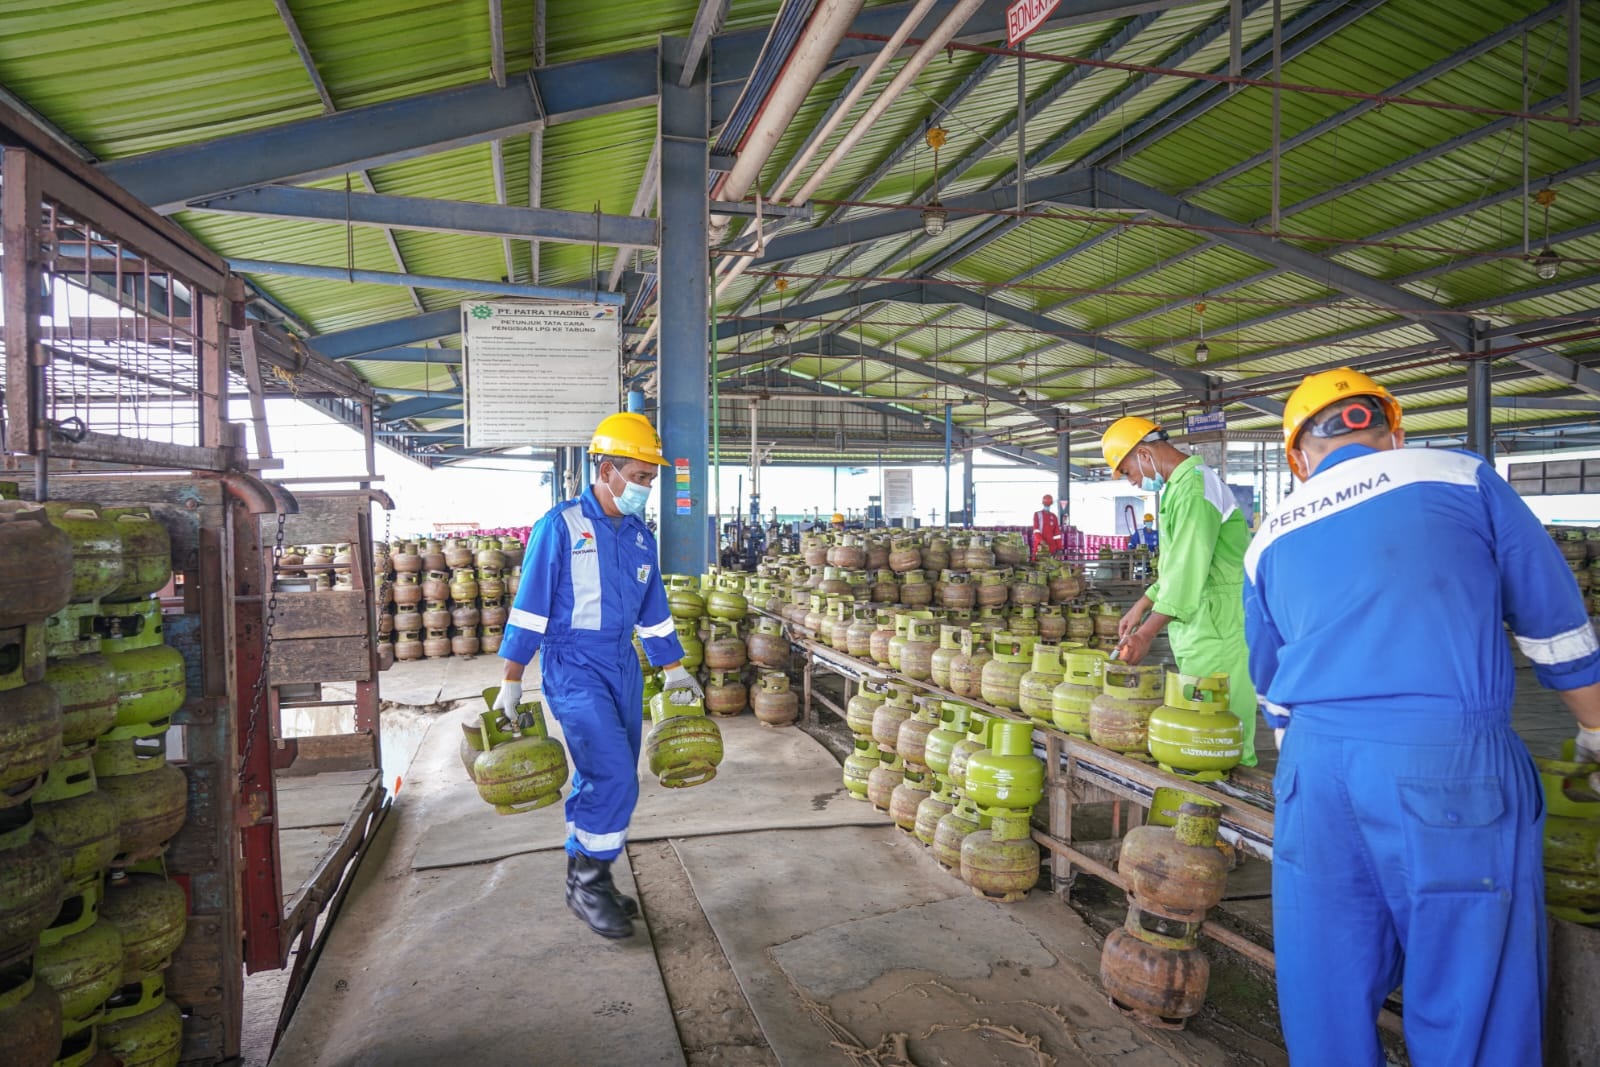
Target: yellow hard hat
1123, 435
628, 435
1149, 517
1317, 391
837, 517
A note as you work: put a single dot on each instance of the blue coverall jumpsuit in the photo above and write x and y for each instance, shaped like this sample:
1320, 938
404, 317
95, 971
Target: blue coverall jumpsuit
1409, 823
1144, 537
589, 581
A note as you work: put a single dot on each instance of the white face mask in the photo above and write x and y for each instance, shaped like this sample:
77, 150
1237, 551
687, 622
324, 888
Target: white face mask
633, 498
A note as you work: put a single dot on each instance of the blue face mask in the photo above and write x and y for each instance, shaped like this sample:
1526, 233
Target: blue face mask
632, 499
1148, 483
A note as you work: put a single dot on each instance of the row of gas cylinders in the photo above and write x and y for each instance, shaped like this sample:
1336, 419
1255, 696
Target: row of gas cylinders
961, 782
904, 552
1174, 870
88, 802
740, 665
1571, 837
517, 766
865, 629
791, 584
435, 614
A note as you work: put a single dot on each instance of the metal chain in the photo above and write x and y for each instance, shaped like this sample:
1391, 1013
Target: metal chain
258, 698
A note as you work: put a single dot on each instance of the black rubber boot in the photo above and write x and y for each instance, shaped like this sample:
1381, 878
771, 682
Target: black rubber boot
592, 898
629, 906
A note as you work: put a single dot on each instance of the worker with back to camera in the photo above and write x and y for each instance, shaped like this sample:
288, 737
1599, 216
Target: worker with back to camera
1409, 820
1198, 597
1046, 529
1145, 536
591, 579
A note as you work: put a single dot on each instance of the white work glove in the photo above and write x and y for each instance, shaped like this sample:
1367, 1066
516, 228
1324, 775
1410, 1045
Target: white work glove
679, 678
1277, 735
1587, 747
509, 699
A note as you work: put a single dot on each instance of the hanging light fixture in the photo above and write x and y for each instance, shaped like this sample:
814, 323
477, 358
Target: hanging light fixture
934, 215
780, 332
1202, 351
1547, 264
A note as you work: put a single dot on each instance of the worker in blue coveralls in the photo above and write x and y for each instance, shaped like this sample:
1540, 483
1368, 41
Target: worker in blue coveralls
1409, 822
591, 579
1145, 536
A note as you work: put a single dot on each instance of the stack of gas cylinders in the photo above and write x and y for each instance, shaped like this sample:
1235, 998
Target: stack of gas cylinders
1571, 838
88, 802
434, 598
1152, 967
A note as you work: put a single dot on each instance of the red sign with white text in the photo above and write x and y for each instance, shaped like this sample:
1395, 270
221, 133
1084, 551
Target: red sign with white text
1025, 16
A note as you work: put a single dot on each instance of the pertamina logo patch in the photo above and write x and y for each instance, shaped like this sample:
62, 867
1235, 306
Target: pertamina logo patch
585, 544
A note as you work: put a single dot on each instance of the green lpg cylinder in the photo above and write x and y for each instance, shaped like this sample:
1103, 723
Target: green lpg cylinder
693, 647
863, 706
96, 548
1024, 621
521, 770
942, 741
935, 806
952, 831
1572, 868
31, 888
1119, 718
652, 685
726, 601
84, 968
146, 553
1006, 774
906, 797
883, 779
896, 708
151, 677
36, 575
976, 741
151, 795
1001, 863
949, 648
911, 741
149, 913
966, 669
1193, 733
79, 820
683, 746
30, 1019
30, 739
142, 1028
683, 598
1035, 691
1080, 684
859, 765
86, 687
1001, 679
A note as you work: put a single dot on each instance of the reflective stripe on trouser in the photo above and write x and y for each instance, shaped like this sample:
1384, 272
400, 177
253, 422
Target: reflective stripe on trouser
1213, 643
594, 688
1414, 848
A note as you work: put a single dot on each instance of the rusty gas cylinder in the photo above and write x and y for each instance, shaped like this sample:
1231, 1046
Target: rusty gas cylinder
966, 668
1002, 862
436, 618
916, 657
915, 590
725, 693
952, 831
896, 708
1080, 626
436, 587
911, 740
36, 571
993, 589
725, 651
767, 646
956, 590
1001, 678
1065, 585
861, 707
943, 656
1159, 986
436, 645
905, 798
1177, 872
406, 645
883, 779
1119, 718
905, 555
1052, 624
407, 590
882, 634
858, 637
494, 613
1035, 690
773, 702
465, 642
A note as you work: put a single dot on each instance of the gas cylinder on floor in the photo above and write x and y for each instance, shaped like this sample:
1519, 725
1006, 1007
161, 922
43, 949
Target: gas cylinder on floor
1571, 837
966, 669
84, 968
1176, 872
724, 650
151, 677
943, 656
30, 1018
1001, 678
521, 768
863, 705
150, 794
146, 552
859, 765
1035, 691
916, 657
30, 739
683, 746
74, 816
1002, 862
1193, 733
148, 912
766, 646
1119, 717
911, 740
774, 703
1005, 781
896, 708
1081, 682
952, 831
906, 797
884, 777
1158, 986
725, 693
142, 1028
96, 548
31, 887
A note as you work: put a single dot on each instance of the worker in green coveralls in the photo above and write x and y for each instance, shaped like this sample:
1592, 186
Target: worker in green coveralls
1201, 588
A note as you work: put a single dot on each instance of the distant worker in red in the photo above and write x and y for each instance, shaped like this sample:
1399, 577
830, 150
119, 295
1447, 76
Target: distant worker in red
1046, 529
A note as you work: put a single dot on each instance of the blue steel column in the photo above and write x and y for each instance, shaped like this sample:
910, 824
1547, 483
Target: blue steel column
682, 351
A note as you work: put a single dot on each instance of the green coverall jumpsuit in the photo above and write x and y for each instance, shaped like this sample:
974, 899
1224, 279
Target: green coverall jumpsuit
1203, 541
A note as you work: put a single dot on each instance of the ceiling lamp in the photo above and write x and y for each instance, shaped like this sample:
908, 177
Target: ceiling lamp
1202, 351
1547, 264
780, 334
934, 215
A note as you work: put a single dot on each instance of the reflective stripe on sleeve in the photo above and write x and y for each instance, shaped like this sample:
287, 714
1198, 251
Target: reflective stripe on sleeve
598, 842
527, 620
1562, 648
660, 629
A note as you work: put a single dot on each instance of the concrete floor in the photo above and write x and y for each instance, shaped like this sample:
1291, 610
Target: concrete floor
820, 945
